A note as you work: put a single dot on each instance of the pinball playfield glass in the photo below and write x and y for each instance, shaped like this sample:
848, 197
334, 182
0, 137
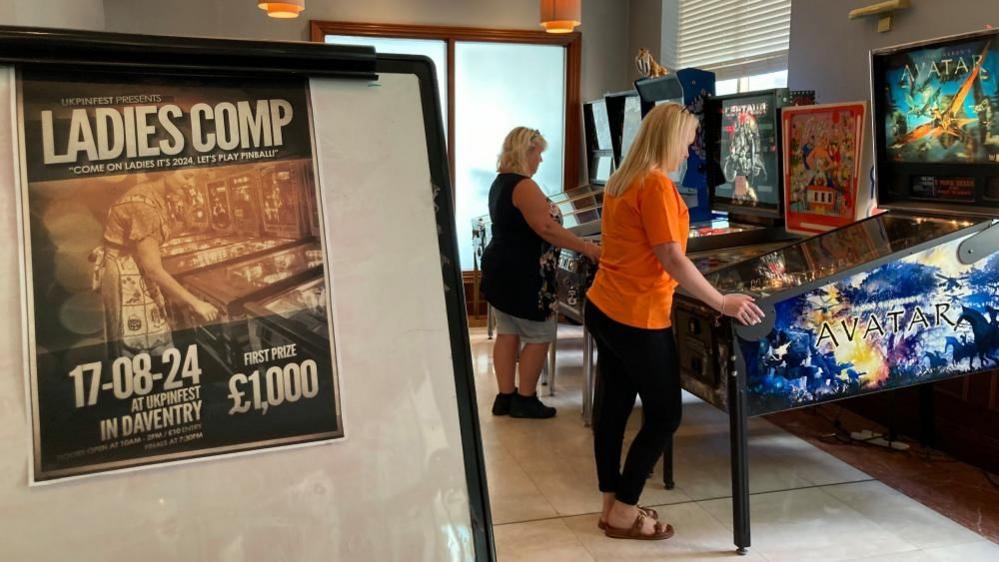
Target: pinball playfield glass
186, 239
197, 245
297, 315
304, 305
183, 264
251, 278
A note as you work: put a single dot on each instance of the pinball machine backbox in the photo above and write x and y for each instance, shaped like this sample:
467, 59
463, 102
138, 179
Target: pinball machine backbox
936, 124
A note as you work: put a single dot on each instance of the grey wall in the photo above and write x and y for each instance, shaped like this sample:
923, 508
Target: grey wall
241, 19
607, 53
605, 24
606, 60
644, 32
829, 53
70, 14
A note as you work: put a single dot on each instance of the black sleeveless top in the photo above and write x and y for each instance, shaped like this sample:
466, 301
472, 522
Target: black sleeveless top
518, 266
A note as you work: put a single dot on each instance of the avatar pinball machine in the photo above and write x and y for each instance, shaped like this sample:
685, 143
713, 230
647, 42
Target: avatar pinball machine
899, 299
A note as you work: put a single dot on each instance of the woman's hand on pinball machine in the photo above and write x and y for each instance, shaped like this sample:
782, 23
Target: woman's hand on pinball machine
741, 307
592, 251
207, 312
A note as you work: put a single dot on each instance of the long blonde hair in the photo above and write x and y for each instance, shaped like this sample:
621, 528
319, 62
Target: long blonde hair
516, 145
657, 145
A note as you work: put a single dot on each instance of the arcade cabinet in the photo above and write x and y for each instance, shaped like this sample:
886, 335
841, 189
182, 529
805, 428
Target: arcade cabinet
899, 299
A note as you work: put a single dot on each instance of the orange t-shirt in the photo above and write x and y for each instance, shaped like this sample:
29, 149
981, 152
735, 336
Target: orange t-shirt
631, 286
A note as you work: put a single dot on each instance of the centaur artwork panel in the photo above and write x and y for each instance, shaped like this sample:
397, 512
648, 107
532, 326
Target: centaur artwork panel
922, 318
132, 360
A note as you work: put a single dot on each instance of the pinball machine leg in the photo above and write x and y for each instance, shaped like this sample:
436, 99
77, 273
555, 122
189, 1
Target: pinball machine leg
927, 435
489, 321
550, 376
587, 377
668, 464
740, 465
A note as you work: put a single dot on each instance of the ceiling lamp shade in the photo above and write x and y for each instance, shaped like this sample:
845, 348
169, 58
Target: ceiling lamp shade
282, 9
560, 16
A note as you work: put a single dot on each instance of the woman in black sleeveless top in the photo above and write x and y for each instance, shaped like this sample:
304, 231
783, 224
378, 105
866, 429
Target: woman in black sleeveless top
518, 272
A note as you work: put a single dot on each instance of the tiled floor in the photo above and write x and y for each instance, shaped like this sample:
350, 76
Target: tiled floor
806, 504
965, 493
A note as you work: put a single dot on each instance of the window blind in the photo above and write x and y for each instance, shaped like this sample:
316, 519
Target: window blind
732, 37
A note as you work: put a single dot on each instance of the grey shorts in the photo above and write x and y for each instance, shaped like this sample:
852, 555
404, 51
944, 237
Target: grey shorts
530, 331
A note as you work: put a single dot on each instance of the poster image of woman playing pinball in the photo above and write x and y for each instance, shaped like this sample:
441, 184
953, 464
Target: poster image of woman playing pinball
128, 269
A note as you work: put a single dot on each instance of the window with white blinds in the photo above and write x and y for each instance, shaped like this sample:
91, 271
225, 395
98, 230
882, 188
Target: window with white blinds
733, 37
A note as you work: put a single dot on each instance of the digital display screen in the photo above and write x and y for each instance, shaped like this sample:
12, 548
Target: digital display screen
942, 102
603, 170
602, 125
749, 154
632, 122
948, 189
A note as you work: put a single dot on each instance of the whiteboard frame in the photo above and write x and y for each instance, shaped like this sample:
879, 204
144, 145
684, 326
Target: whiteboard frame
54, 48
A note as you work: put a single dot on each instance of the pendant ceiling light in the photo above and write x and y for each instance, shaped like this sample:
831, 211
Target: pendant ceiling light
560, 16
282, 9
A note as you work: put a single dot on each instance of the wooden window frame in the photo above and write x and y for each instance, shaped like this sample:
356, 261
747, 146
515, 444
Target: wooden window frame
450, 35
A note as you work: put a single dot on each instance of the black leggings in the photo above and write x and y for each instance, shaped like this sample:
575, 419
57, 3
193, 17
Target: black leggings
632, 361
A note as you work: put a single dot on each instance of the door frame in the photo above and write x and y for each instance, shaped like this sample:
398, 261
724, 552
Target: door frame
572, 42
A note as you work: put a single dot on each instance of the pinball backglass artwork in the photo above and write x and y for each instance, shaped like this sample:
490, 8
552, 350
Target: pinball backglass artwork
941, 102
749, 152
822, 145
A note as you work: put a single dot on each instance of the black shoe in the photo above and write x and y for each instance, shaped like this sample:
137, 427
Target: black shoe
501, 406
530, 407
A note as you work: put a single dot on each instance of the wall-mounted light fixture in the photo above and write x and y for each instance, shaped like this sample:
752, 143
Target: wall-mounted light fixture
283, 8
560, 16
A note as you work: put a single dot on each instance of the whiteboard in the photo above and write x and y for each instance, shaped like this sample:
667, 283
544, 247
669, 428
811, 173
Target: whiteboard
395, 489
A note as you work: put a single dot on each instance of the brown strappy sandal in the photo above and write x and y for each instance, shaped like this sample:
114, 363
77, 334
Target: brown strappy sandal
660, 531
649, 512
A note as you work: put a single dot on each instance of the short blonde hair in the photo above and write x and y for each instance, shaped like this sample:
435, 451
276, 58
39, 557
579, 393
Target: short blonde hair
659, 144
516, 145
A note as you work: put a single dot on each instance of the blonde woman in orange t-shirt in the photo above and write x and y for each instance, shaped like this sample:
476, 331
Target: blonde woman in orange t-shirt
644, 237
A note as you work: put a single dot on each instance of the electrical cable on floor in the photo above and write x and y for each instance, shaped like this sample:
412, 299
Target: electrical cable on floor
842, 435
988, 476
834, 437
929, 455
